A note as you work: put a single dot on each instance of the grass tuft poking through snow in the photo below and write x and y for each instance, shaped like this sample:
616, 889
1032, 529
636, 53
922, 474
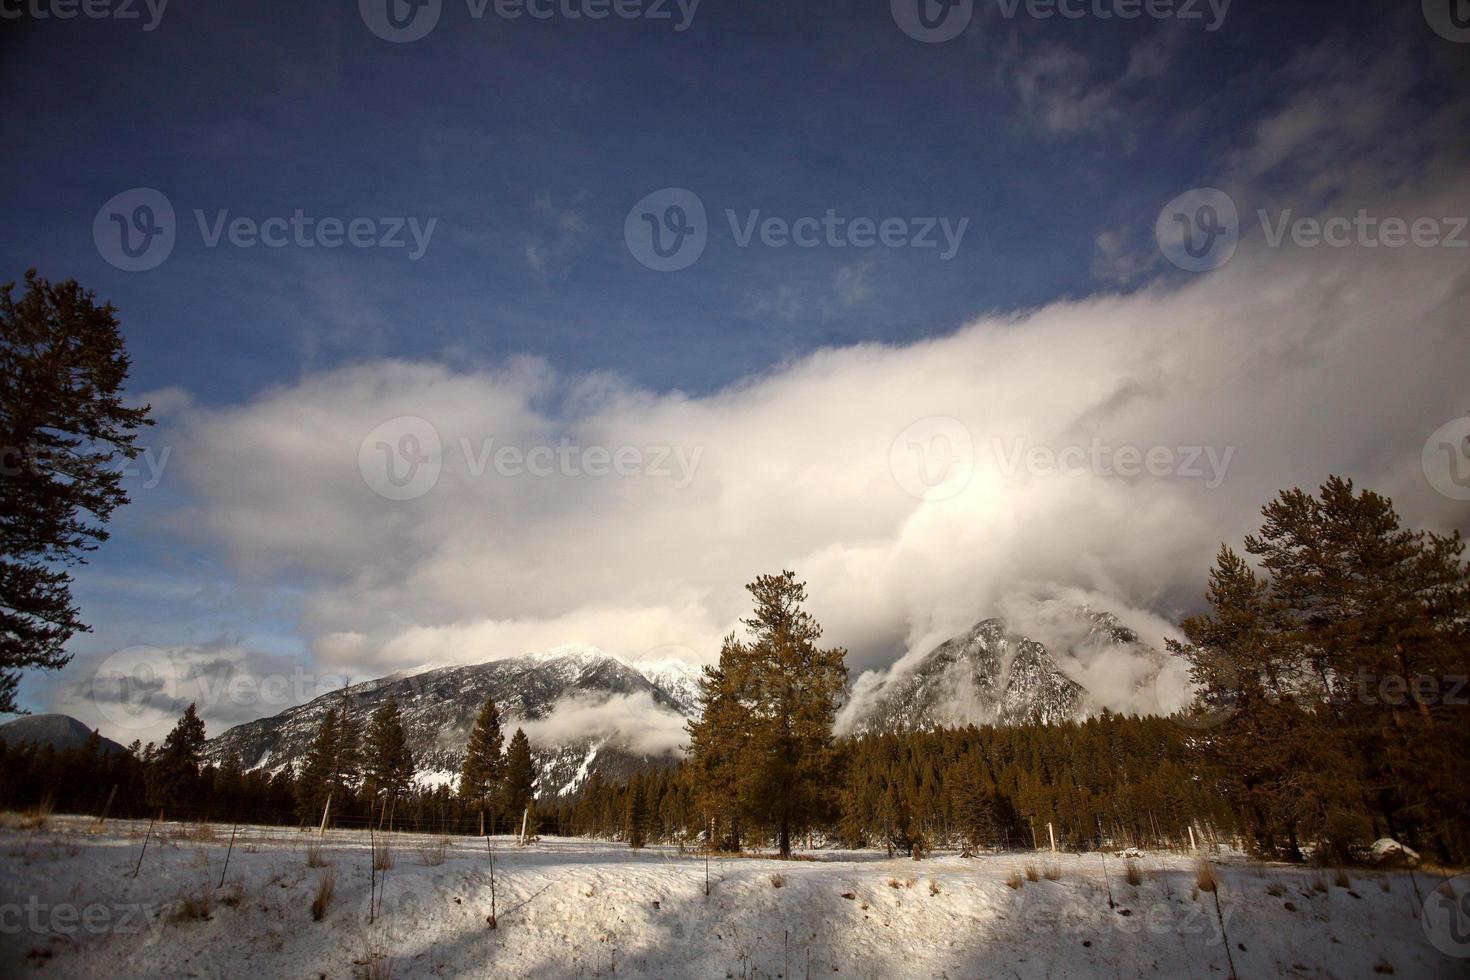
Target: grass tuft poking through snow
1031, 873
1013, 880
431, 855
315, 858
1052, 872
933, 887
326, 887
1204, 875
382, 856
1342, 880
777, 880
1131, 873
193, 906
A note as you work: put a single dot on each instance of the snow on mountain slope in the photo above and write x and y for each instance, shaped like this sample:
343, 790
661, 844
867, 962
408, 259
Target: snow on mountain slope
605, 705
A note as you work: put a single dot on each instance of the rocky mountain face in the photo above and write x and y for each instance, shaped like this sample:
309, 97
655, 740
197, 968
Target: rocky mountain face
589, 711
988, 675
439, 709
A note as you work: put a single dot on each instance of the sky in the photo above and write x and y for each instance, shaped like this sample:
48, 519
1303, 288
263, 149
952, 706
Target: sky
475, 329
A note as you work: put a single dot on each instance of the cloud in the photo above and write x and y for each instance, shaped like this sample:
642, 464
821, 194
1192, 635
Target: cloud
634, 720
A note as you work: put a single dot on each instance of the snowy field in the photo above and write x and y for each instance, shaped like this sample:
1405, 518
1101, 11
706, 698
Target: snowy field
70, 907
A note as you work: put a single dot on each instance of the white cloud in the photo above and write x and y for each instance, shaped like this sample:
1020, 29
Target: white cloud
637, 723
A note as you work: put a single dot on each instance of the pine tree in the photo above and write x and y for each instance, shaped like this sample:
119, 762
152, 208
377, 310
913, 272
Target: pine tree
313, 785
637, 813
484, 763
717, 741
775, 698
63, 428
518, 787
389, 767
174, 771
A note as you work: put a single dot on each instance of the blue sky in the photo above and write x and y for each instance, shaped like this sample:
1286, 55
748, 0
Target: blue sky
526, 142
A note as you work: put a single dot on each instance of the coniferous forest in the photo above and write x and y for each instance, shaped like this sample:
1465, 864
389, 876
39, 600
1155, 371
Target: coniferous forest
1331, 711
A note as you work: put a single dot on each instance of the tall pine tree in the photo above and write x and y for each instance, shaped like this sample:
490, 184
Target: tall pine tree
484, 762
518, 787
389, 766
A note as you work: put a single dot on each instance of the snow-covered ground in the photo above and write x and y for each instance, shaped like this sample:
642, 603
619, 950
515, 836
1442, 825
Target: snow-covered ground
70, 907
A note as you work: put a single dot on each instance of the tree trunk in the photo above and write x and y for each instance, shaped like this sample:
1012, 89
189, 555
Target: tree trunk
785, 838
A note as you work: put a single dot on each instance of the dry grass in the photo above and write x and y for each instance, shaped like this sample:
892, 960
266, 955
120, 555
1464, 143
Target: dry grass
1132, 873
193, 906
778, 880
382, 856
201, 832
431, 854
1031, 873
1275, 890
1052, 872
376, 965
326, 887
933, 887
1384, 885
315, 857
233, 894
1204, 875
1342, 880
1319, 884
1013, 880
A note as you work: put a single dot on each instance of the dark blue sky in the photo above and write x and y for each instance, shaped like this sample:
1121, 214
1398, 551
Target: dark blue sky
539, 135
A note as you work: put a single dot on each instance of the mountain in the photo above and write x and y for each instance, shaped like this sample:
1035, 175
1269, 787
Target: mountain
992, 675
57, 731
584, 710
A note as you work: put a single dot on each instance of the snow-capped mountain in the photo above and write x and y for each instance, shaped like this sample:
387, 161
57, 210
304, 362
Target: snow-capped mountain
583, 709
586, 710
990, 675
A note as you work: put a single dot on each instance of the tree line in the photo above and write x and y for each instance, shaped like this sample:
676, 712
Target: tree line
1331, 709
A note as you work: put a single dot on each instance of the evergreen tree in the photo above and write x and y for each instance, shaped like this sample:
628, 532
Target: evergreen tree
637, 815
389, 767
63, 426
717, 741
775, 699
174, 772
484, 763
518, 787
314, 784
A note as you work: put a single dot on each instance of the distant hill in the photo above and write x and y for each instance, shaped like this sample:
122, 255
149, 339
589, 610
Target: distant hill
57, 731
